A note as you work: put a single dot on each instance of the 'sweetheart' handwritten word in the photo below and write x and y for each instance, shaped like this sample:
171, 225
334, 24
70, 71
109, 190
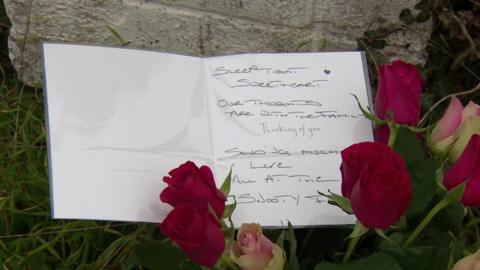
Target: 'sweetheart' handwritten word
241, 83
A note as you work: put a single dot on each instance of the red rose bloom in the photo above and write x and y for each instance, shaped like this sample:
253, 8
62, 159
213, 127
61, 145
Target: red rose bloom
189, 183
399, 96
377, 183
467, 169
354, 159
399, 92
196, 231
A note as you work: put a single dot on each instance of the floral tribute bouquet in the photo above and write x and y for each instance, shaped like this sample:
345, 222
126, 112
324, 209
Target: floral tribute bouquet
410, 191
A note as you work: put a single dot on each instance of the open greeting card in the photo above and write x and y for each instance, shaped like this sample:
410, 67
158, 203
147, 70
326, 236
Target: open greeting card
120, 119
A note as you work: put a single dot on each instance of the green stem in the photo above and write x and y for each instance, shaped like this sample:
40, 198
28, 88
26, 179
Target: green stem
351, 248
393, 134
442, 204
384, 236
228, 262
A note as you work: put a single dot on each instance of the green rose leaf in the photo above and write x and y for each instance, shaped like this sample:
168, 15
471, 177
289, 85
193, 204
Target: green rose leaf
421, 169
450, 218
447, 250
229, 208
417, 258
340, 201
368, 114
292, 263
225, 188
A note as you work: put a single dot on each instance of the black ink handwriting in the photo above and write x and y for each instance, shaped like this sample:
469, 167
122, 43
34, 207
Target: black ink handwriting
276, 84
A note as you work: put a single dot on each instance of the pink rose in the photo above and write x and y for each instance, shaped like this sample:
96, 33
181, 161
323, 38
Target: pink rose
398, 96
467, 169
254, 251
455, 128
471, 262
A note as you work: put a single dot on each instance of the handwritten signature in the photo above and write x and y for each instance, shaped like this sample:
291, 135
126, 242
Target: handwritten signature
259, 198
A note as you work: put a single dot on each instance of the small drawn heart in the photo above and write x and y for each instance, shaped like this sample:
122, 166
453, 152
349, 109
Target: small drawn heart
327, 71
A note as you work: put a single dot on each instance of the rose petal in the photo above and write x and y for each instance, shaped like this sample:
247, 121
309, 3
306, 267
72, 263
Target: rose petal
248, 242
400, 68
403, 103
253, 261
470, 126
188, 183
381, 134
207, 174
449, 123
236, 251
176, 230
265, 255
471, 262
399, 93
213, 247
249, 227
444, 145
409, 75
266, 245
466, 164
381, 98
382, 194
183, 170
252, 229
218, 204
207, 243
471, 195
278, 259
354, 158
470, 110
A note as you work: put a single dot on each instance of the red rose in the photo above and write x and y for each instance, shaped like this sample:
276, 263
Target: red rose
467, 169
189, 183
398, 96
377, 183
354, 159
196, 231
399, 92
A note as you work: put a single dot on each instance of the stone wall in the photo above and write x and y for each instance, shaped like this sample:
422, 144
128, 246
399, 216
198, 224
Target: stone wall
208, 27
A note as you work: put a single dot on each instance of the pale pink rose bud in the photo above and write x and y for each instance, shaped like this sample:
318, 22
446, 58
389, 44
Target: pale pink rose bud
453, 131
471, 262
254, 251
443, 134
470, 126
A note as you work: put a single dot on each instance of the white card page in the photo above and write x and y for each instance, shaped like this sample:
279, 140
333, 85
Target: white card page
120, 119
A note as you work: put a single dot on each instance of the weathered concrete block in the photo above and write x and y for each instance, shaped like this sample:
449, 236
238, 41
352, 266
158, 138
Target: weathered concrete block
282, 12
228, 36
340, 23
207, 27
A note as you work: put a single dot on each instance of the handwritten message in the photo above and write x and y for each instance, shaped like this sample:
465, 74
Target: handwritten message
281, 124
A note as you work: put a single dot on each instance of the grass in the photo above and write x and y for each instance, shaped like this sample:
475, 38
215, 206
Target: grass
30, 239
